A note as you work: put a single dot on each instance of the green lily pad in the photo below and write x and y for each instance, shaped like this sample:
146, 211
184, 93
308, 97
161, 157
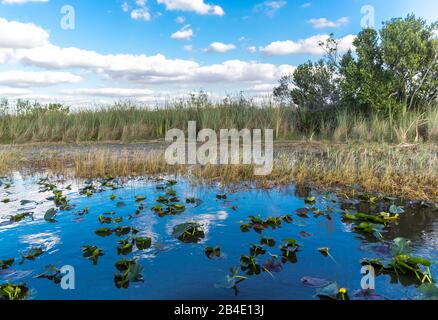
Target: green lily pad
10, 291
92, 252
5, 264
50, 215
143, 243
104, 232
21, 216
213, 252
190, 232
124, 247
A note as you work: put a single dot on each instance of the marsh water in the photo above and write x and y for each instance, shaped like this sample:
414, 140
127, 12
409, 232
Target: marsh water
174, 269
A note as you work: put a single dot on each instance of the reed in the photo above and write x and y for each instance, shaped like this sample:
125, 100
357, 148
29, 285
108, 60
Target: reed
408, 171
130, 123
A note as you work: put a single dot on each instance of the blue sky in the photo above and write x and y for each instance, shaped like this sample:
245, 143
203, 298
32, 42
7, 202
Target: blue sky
158, 49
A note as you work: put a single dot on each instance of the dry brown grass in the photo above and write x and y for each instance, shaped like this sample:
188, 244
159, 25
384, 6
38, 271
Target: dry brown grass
407, 171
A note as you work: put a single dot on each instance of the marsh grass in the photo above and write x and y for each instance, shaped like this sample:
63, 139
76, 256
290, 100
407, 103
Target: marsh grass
125, 122
408, 171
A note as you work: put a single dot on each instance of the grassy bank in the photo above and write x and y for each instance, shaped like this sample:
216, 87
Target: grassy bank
127, 123
406, 171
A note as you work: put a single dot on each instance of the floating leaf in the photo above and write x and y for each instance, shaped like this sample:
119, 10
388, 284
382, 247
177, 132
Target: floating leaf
104, 232
315, 282
256, 250
310, 200
10, 291
92, 252
396, 209
32, 254
5, 264
270, 242
249, 264
221, 196
21, 216
213, 252
50, 215
325, 251
124, 247
142, 243
140, 198
190, 232
272, 265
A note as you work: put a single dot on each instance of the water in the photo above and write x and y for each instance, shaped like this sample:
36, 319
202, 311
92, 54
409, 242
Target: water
176, 270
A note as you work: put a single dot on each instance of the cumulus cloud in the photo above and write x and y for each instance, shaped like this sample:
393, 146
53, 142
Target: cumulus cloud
14, 92
180, 20
186, 33
219, 47
322, 23
251, 49
108, 92
305, 46
26, 79
270, 7
197, 6
141, 14
15, 35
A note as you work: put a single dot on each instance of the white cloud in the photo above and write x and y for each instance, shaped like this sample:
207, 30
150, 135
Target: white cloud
5, 55
141, 14
305, 46
15, 35
21, 1
140, 3
188, 48
322, 23
108, 92
270, 7
151, 69
180, 20
186, 33
26, 79
125, 7
197, 6
306, 5
219, 47
263, 88
251, 49
14, 92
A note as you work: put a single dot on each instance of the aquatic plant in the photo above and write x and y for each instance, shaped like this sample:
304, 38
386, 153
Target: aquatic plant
211, 252
130, 271
190, 232
124, 247
51, 273
403, 263
92, 252
21, 216
31, 254
50, 215
5, 264
250, 265
10, 291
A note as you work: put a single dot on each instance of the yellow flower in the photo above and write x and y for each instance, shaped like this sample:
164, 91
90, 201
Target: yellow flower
342, 291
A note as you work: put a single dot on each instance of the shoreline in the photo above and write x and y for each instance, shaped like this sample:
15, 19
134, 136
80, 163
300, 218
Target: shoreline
406, 171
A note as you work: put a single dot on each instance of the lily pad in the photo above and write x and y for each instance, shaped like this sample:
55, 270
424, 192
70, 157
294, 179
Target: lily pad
212, 253
92, 252
315, 282
5, 264
50, 215
190, 232
10, 291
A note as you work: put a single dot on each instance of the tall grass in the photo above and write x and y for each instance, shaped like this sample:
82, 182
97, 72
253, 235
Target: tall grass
128, 123
407, 171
